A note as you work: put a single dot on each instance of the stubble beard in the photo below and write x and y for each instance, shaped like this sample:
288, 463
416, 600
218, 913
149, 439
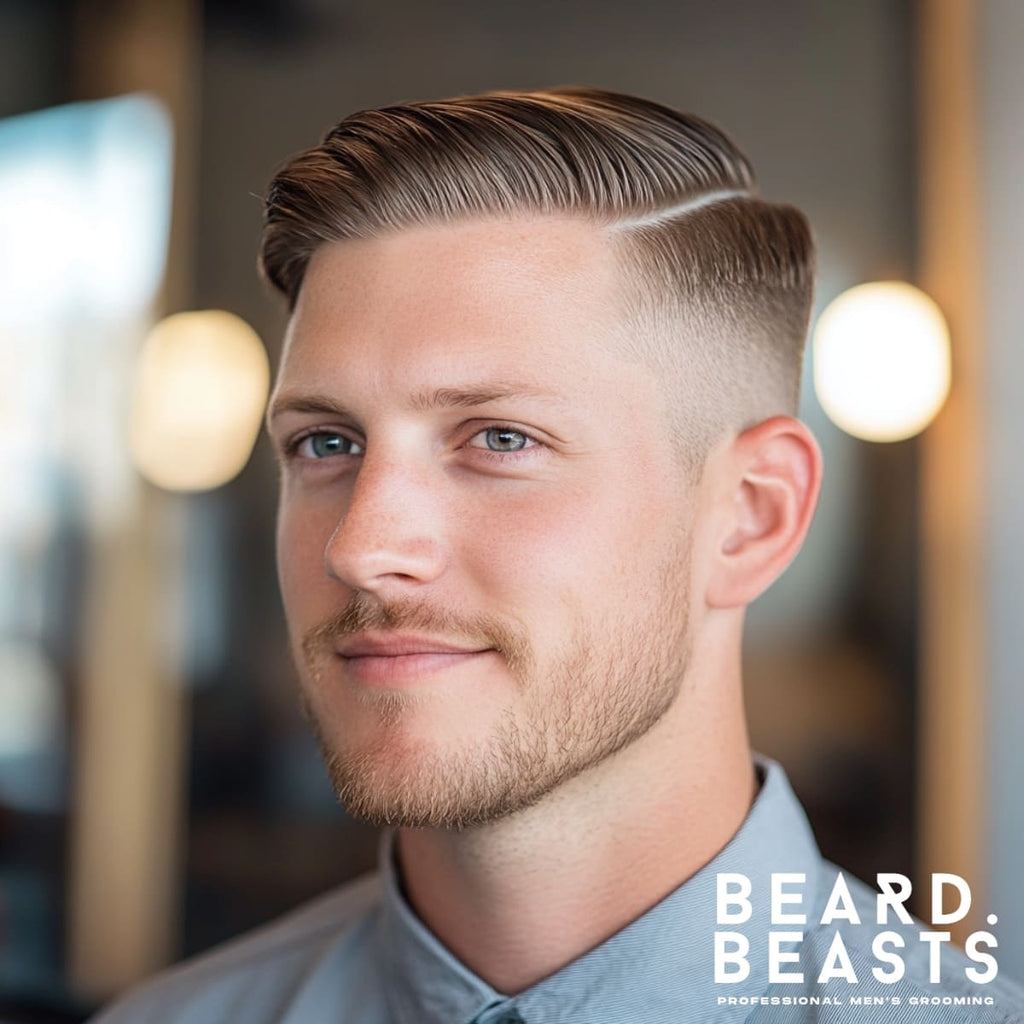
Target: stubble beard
599, 695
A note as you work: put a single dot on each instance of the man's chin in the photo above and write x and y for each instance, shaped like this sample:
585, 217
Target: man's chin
403, 780
434, 795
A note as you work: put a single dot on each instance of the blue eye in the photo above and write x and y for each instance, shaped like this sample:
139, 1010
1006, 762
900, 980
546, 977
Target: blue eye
323, 445
503, 439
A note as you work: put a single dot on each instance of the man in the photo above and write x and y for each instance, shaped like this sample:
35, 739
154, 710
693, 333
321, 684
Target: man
535, 422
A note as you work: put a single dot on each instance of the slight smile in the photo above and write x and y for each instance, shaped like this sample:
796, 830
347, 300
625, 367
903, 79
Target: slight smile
392, 658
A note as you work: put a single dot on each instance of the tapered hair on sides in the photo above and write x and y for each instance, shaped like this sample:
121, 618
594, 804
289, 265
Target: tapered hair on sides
717, 281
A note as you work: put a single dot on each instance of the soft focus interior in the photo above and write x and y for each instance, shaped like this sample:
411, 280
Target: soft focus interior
159, 789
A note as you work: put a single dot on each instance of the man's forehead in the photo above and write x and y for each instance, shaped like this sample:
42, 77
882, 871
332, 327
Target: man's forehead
487, 290
492, 261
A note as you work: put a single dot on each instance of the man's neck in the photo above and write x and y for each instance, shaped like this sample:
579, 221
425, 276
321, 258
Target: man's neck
518, 899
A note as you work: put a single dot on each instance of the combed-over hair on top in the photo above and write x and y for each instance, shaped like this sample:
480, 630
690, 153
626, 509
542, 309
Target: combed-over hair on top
718, 281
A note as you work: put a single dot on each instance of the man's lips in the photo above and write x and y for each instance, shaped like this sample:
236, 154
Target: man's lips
391, 658
394, 645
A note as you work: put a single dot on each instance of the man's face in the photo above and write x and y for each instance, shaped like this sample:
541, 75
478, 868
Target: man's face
484, 533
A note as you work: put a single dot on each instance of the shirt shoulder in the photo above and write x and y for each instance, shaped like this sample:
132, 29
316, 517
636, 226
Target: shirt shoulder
260, 976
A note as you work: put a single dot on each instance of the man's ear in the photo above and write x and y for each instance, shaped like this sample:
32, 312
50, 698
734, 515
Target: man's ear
769, 483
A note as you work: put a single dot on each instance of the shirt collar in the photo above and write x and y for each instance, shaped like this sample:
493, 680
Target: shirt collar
662, 963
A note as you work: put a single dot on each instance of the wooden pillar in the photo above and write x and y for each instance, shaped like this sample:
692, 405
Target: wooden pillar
132, 710
952, 697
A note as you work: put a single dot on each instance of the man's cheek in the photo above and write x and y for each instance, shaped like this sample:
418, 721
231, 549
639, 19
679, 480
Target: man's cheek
300, 560
541, 521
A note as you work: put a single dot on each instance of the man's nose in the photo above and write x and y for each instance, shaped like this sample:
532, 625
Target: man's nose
390, 534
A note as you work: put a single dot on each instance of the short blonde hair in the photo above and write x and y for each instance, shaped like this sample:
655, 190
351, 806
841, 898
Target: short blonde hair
718, 281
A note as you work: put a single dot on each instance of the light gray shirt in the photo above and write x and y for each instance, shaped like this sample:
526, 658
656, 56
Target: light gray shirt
360, 955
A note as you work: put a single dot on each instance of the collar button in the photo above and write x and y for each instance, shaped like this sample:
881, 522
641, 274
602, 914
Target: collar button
499, 1015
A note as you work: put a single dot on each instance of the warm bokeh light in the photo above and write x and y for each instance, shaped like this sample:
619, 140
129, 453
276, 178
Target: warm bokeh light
882, 361
202, 384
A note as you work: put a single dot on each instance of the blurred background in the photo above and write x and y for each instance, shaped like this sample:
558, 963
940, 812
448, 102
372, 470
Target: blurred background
158, 789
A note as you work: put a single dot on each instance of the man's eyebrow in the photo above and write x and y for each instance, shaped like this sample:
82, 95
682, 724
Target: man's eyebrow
476, 394
420, 401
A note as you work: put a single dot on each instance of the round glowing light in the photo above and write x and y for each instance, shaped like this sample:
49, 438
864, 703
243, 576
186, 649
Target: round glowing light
882, 361
201, 386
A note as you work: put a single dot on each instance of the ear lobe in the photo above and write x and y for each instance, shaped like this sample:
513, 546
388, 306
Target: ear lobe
769, 492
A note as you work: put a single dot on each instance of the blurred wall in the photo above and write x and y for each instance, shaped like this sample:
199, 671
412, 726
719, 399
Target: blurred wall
1001, 127
35, 55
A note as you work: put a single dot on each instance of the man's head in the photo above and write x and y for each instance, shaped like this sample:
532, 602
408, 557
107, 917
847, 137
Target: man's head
522, 325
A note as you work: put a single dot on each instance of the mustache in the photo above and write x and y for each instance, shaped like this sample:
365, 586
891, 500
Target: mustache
365, 613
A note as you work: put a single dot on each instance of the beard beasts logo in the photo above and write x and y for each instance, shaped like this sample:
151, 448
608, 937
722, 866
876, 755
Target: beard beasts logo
890, 944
